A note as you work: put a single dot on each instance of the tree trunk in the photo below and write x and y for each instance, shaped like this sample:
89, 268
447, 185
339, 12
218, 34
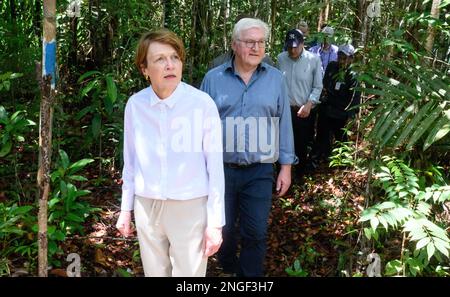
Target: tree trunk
358, 27
168, 14
13, 11
326, 11
193, 41
320, 18
224, 22
432, 30
273, 13
48, 83
73, 49
37, 18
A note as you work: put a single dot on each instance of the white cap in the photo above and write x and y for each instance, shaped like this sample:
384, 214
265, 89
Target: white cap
328, 30
347, 49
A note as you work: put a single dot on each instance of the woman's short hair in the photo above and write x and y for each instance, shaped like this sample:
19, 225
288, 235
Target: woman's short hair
163, 36
248, 23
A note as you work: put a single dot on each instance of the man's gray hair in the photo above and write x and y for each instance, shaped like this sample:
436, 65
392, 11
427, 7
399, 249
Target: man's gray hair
248, 23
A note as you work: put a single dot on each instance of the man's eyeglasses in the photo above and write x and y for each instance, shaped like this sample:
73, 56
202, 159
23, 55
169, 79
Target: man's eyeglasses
252, 43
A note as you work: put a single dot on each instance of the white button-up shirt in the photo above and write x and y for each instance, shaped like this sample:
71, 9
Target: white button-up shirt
173, 149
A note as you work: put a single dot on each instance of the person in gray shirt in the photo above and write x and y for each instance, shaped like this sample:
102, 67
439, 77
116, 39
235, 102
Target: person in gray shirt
303, 76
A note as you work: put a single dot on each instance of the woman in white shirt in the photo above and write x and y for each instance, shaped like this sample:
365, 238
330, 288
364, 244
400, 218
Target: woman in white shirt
173, 169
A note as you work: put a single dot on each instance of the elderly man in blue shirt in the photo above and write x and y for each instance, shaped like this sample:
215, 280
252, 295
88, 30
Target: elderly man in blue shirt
254, 108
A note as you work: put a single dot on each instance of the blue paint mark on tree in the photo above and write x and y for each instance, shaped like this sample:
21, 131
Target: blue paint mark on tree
49, 67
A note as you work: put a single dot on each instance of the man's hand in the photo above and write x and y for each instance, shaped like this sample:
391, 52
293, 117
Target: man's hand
212, 241
284, 180
124, 223
304, 110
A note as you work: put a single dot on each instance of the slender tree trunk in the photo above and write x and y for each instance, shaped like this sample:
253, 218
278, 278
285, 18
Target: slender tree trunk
193, 41
13, 11
431, 30
48, 83
358, 27
273, 13
326, 11
320, 18
168, 11
37, 18
73, 49
163, 15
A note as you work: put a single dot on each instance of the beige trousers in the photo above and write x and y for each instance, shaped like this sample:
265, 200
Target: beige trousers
170, 234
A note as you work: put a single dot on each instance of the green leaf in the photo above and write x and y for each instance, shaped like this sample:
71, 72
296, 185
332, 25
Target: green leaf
84, 111
430, 250
88, 88
368, 213
423, 127
22, 210
393, 267
374, 223
74, 218
53, 202
58, 235
6, 148
64, 159
79, 165
368, 233
390, 120
442, 246
441, 129
96, 125
87, 74
380, 121
78, 178
411, 126
3, 115
372, 115
423, 242
108, 105
397, 124
423, 208
415, 266
111, 89
51, 230
383, 222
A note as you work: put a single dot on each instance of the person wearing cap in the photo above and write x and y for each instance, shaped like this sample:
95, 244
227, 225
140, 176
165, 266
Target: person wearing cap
326, 50
303, 73
254, 108
340, 95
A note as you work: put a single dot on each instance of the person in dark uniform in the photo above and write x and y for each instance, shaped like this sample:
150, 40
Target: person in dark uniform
339, 85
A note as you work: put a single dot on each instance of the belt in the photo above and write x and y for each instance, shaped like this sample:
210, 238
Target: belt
236, 165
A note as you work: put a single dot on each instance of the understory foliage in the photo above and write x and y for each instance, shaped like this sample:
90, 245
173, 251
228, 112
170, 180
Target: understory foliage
402, 132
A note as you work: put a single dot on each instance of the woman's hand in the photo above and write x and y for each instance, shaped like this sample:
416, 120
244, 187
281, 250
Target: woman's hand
212, 241
124, 223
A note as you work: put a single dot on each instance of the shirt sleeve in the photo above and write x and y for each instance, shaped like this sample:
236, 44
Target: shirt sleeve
213, 152
205, 85
128, 161
286, 135
314, 97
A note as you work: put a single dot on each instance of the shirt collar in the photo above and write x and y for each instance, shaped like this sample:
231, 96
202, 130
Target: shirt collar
169, 101
229, 65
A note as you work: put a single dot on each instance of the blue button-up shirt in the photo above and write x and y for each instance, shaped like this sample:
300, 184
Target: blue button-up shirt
256, 118
325, 56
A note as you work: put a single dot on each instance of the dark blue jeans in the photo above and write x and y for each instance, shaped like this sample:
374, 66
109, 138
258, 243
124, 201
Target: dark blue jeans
248, 197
